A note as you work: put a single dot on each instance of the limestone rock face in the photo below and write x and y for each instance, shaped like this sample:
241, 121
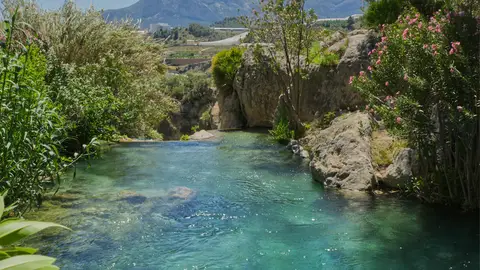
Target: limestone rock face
257, 88
402, 169
341, 153
230, 112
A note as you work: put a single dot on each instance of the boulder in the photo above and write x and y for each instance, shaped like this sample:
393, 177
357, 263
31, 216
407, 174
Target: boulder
201, 135
340, 154
402, 170
131, 197
257, 88
181, 193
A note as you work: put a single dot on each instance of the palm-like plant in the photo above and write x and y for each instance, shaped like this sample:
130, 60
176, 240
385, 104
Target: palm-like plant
13, 230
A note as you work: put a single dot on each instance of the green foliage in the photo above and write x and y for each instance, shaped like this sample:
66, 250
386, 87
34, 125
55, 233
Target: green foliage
31, 128
281, 132
321, 56
225, 66
384, 149
185, 137
198, 30
383, 12
195, 128
189, 86
206, 116
154, 135
14, 230
424, 83
105, 76
231, 22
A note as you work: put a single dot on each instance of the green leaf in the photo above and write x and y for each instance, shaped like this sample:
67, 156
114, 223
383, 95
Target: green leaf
27, 262
13, 230
16, 251
2, 203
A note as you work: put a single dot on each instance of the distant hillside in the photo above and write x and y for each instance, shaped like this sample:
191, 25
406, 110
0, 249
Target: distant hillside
183, 12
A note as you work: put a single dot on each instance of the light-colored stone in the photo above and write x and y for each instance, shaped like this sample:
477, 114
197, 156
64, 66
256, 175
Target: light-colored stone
340, 155
401, 171
131, 197
181, 193
201, 135
257, 88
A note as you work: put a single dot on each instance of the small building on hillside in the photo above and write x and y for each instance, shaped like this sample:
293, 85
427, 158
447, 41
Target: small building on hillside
159, 26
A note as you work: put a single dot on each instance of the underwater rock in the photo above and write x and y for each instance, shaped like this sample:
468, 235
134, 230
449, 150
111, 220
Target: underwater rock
201, 135
65, 197
181, 193
131, 197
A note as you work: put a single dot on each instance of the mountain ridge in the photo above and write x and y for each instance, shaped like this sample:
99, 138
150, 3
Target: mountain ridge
183, 12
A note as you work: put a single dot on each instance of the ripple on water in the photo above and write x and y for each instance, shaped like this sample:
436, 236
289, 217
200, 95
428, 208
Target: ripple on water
255, 207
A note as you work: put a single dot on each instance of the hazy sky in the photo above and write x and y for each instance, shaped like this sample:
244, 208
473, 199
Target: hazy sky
99, 4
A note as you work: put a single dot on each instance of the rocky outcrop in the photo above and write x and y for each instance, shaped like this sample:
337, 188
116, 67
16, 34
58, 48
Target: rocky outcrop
230, 112
297, 149
201, 136
340, 154
257, 88
401, 171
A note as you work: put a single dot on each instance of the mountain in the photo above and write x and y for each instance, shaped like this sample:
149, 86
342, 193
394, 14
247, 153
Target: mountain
183, 12
84, 4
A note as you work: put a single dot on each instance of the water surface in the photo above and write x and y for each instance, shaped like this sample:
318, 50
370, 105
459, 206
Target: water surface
252, 206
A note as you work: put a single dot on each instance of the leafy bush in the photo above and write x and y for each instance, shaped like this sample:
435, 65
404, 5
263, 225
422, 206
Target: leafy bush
321, 56
195, 128
282, 133
31, 130
105, 75
154, 135
383, 12
198, 30
14, 230
185, 137
424, 81
225, 66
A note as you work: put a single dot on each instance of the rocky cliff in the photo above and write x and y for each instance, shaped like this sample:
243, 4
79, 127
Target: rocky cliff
255, 97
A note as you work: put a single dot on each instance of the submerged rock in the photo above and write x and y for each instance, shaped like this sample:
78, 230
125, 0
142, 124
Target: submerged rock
131, 197
181, 193
341, 153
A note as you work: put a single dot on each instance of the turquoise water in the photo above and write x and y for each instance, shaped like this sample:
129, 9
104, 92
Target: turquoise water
252, 206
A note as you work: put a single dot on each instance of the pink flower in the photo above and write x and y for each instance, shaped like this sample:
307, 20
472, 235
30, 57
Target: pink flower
407, 18
455, 45
378, 62
386, 84
370, 68
435, 53
385, 47
405, 33
384, 39
417, 15
460, 108
452, 70
434, 47
398, 120
362, 73
420, 25
351, 80
438, 29
452, 51
425, 46
369, 53
405, 77
430, 28
412, 21
380, 52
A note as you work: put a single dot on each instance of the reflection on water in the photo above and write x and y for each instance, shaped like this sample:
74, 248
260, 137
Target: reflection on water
242, 203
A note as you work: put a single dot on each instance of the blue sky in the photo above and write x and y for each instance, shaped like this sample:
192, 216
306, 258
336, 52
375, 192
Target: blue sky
99, 4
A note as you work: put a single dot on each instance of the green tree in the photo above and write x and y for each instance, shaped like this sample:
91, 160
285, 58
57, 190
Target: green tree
350, 23
288, 27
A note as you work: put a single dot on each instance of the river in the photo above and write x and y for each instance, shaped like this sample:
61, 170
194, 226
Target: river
248, 205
